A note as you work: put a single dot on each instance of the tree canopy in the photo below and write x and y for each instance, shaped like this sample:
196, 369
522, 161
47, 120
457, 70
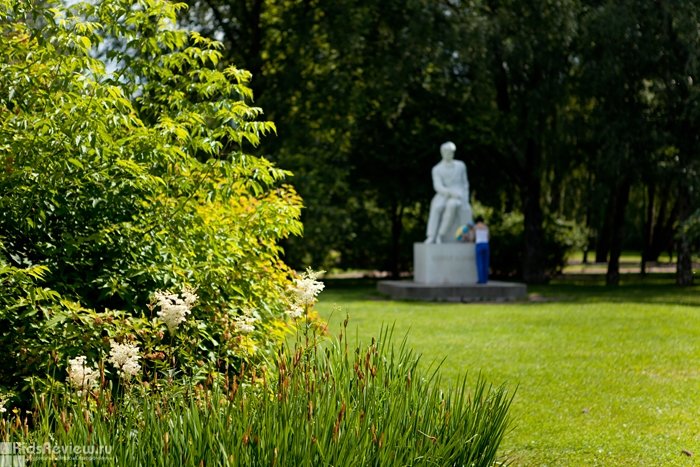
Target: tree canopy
574, 115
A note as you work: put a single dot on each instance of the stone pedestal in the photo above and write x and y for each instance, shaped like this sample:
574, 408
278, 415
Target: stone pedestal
444, 263
493, 291
447, 272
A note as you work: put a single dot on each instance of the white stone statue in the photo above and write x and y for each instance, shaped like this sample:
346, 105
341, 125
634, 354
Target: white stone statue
450, 206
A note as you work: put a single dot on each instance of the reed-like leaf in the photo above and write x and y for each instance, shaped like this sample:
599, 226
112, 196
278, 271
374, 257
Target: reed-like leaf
328, 406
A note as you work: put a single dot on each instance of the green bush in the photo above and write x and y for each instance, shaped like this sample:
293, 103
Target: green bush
326, 405
508, 242
42, 332
690, 229
127, 174
134, 179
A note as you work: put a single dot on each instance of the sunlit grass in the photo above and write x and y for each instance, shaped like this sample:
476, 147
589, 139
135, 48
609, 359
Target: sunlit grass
606, 376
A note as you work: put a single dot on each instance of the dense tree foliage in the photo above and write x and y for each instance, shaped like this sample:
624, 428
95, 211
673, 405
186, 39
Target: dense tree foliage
640, 64
578, 116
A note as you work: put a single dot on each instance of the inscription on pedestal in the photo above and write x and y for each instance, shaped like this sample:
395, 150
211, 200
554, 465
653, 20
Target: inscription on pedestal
444, 263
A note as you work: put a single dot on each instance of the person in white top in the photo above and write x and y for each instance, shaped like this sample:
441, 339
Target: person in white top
481, 239
450, 206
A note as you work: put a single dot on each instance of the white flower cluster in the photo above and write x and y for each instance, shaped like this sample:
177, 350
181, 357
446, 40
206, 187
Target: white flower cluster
305, 291
174, 308
80, 375
125, 357
295, 311
246, 322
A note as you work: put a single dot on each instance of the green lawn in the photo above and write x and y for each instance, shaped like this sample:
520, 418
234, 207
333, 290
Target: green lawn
603, 376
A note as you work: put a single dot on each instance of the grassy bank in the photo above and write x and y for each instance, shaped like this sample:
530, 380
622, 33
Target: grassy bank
326, 403
605, 376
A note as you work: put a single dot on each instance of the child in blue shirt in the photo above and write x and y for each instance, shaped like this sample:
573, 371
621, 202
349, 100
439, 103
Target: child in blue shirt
481, 239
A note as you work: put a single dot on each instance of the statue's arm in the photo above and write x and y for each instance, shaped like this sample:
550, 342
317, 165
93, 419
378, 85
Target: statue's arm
438, 185
465, 179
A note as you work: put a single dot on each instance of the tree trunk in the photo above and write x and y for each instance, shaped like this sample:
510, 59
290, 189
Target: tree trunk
684, 260
662, 235
587, 220
396, 228
534, 263
619, 204
684, 263
648, 223
602, 246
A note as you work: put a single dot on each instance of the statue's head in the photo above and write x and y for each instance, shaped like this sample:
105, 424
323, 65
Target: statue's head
447, 150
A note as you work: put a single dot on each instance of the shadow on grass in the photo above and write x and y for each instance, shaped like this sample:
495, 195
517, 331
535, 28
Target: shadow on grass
633, 288
570, 288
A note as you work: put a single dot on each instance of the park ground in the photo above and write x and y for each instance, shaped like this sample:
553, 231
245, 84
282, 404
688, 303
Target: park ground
602, 376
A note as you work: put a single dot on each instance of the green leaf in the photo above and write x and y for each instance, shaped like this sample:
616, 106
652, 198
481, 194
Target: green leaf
76, 162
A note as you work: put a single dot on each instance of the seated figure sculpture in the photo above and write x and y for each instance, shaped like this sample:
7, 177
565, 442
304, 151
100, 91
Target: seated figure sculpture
450, 206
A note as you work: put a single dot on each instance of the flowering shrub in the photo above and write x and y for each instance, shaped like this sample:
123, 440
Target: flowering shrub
91, 347
121, 183
304, 292
80, 375
125, 357
174, 308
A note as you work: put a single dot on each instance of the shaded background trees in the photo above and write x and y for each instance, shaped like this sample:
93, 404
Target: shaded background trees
578, 119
